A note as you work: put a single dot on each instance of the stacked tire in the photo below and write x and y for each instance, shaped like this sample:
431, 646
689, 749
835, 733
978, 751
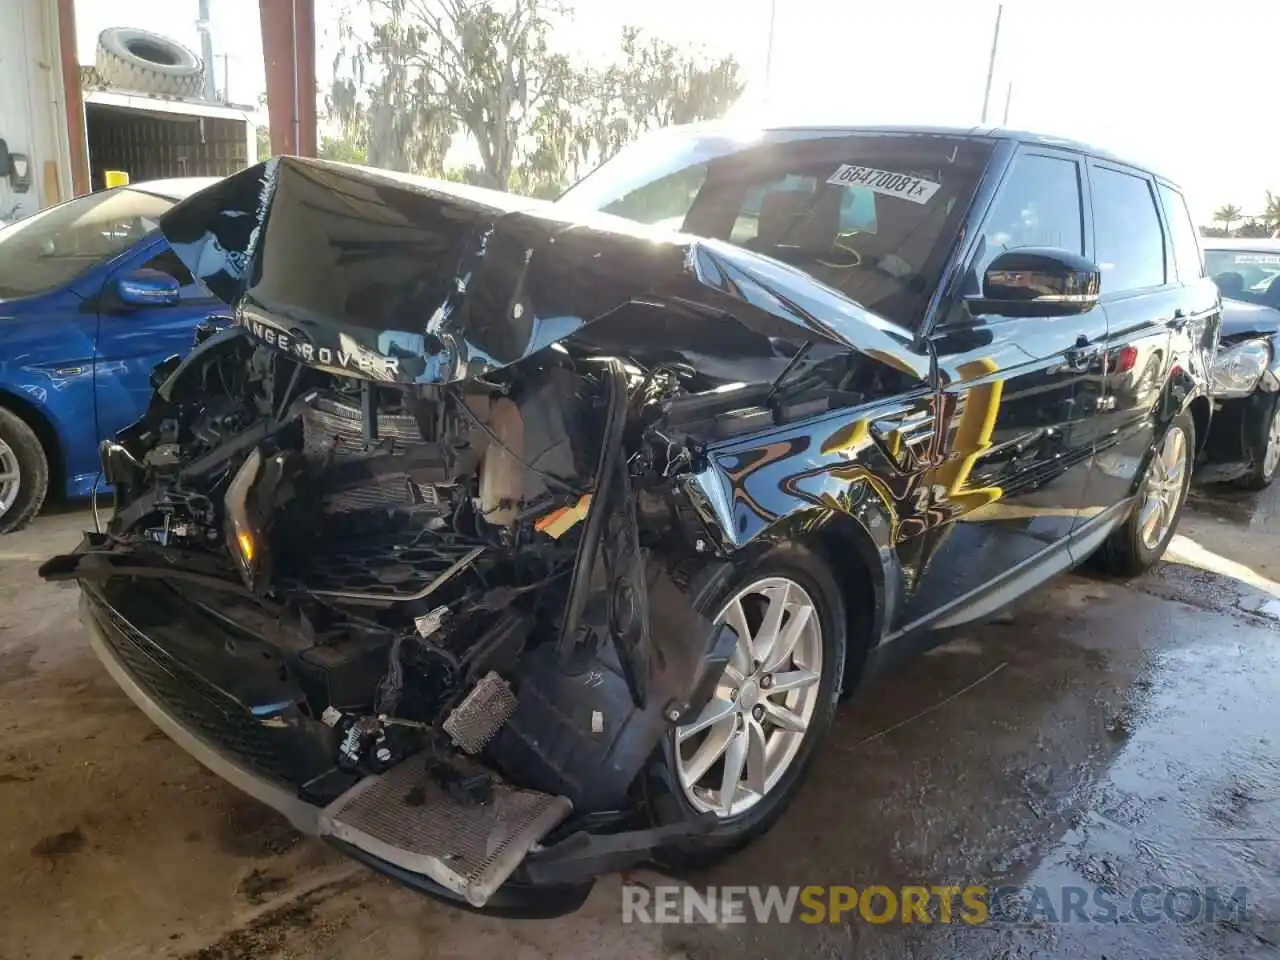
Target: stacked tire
138, 60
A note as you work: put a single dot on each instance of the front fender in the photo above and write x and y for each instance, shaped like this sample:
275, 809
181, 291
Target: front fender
842, 480
57, 425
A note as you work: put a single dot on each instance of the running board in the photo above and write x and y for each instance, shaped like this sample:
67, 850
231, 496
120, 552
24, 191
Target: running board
468, 845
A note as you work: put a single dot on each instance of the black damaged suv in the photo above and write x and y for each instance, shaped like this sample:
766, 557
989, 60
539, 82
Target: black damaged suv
504, 543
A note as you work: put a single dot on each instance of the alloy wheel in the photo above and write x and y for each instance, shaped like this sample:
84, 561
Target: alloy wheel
1271, 454
1163, 492
746, 738
10, 477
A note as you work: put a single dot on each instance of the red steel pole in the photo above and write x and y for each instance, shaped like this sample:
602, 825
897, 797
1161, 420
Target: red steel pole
289, 57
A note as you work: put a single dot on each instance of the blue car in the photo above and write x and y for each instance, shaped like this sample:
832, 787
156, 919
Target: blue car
91, 299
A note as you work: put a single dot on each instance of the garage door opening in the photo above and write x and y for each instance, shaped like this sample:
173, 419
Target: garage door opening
154, 144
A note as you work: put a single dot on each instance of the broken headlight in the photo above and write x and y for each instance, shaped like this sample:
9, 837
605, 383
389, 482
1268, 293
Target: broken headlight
244, 535
1238, 368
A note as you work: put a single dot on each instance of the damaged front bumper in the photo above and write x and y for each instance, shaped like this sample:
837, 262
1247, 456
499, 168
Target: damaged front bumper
514, 854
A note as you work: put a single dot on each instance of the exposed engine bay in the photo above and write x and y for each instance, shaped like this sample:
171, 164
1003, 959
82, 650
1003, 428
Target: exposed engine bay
408, 544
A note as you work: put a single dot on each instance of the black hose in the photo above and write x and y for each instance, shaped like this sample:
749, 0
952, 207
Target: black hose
288, 390
593, 528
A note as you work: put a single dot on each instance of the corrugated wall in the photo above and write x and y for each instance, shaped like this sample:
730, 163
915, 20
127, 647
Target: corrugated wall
156, 146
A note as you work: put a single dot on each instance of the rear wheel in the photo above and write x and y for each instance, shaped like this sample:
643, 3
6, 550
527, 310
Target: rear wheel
744, 756
1264, 444
1135, 547
24, 472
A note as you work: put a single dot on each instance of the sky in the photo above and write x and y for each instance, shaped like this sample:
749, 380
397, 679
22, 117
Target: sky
1185, 86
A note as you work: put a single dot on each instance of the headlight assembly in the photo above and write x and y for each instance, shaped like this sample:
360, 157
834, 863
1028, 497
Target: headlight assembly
244, 538
1238, 368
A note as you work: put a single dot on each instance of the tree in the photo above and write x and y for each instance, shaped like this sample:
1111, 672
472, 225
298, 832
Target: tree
1271, 213
483, 71
1253, 229
344, 149
437, 68
1226, 215
653, 84
264, 142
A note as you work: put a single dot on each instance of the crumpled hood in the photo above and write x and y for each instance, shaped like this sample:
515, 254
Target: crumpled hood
1242, 319
397, 278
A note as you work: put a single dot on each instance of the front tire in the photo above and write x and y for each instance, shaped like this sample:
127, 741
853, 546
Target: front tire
24, 472
1264, 446
746, 754
1135, 547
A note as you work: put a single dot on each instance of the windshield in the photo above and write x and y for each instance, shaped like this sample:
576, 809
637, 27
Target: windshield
1249, 275
872, 215
52, 248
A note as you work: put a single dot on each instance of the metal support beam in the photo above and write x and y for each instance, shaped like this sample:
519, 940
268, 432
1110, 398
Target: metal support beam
289, 55
206, 52
991, 66
73, 100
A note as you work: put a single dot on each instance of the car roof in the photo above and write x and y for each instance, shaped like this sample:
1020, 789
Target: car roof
1263, 244
971, 133
174, 188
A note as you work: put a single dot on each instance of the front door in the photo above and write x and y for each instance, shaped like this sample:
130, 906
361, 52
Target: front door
132, 340
1014, 458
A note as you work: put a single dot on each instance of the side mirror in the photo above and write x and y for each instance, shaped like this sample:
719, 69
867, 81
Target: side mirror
1038, 282
148, 288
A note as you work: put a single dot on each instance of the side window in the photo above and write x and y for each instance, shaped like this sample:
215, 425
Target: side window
1186, 240
1038, 206
1127, 232
167, 262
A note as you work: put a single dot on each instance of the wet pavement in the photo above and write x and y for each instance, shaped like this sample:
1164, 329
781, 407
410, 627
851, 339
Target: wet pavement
1122, 738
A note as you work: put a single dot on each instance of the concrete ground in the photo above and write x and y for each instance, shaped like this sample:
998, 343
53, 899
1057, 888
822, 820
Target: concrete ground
1098, 734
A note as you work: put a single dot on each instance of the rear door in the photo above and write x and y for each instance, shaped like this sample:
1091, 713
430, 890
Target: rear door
132, 340
1015, 456
1198, 337
1144, 302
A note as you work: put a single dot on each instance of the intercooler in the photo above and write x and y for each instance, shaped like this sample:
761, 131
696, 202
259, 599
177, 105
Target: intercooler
333, 433
335, 428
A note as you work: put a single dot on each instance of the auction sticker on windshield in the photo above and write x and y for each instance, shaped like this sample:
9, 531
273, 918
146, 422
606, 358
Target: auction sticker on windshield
885, 182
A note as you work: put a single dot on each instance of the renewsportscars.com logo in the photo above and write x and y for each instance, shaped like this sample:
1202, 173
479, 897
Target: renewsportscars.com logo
973, 904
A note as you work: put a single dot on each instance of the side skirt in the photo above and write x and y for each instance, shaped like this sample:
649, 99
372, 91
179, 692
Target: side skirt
942, 625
